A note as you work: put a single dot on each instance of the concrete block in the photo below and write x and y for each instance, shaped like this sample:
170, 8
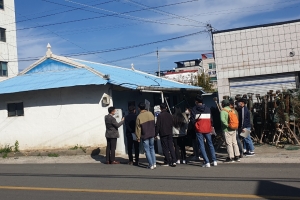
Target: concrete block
247, 72
236, 73
225, 74
252, 72
220, 75
257, 71
242, 72
231, 74
279, 68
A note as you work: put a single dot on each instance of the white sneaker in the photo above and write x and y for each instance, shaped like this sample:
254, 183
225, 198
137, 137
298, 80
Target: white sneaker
154, 166
206, 165
215, 163
178, 162
183, 162
150, 167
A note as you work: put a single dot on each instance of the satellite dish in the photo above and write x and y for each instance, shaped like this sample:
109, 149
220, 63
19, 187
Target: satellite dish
292, 54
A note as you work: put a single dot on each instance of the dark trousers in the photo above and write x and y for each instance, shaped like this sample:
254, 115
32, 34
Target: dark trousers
130, 143
238, 139
168, 149
111, 149
179, 144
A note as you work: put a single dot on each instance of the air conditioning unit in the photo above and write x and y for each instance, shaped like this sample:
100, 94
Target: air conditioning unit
106, 99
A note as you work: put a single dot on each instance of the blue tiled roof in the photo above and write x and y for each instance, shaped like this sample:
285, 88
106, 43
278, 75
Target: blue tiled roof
132, 78
55, 74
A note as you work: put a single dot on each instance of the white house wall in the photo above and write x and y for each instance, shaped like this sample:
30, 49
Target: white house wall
256, 51
8, 49
56, 118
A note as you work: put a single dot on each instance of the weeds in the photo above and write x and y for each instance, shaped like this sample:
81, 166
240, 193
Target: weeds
16, 147
78, 147
53, 155
5, 150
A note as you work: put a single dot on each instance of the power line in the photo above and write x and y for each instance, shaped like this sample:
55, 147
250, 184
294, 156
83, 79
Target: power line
127, 58
111, 15
61, 36
126, 15
62, 12
119, 48
164, 12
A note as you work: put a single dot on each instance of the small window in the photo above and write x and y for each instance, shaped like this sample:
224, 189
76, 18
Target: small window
2, 35
213, 79
1, 4
3, 69
211, 66
15, 109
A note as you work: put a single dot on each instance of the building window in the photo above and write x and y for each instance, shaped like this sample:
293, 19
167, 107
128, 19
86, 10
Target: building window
212, 79
15, 109
2, 35
3, 68
1, 4
211, 66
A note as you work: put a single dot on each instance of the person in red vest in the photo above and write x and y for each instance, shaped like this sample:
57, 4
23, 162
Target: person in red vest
202, 119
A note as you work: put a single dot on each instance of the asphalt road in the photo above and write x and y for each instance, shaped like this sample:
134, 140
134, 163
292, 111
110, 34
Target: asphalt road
100, 181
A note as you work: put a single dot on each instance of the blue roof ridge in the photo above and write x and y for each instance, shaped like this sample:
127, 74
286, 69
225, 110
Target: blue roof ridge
138, 71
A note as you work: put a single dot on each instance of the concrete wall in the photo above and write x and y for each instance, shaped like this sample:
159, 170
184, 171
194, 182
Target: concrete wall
56, 118
256, 51
8, 49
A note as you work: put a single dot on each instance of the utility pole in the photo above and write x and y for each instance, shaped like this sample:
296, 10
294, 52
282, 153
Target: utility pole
210, 29
158, 62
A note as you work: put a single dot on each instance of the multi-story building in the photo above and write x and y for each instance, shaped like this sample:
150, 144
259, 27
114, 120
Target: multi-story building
8, 40
209, 67
257, 59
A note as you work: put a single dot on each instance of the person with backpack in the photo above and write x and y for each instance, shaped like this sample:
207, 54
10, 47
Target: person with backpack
202, 119
180, 126
239, 143
230, 123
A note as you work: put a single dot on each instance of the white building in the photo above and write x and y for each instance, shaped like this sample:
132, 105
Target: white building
187, 76
257, 59
209, 67
59, 102
8, 41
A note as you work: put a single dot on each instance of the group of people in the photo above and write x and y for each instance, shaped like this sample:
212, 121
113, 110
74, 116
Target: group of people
173, 129
236, 126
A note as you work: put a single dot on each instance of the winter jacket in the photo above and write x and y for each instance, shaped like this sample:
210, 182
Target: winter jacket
145, 125
112, 126
130, 121
201, 112
225, 119
247, 120
164, 124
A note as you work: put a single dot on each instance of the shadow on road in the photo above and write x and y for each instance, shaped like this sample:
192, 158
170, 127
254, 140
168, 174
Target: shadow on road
272, 190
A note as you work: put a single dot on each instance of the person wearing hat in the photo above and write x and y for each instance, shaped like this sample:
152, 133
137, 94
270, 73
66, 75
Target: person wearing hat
233, 105
203, 121
245, 123
229, 132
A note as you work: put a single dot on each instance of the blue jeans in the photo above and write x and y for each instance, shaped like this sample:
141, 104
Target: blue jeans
248, 144
150, 152
201, 137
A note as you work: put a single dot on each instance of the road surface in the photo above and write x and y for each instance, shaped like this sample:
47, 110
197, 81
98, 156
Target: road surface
100, 181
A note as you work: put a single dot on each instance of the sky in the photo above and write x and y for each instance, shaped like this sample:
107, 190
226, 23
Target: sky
122, 32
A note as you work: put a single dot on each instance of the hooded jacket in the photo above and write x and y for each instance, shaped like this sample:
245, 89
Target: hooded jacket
164, 124
201, 112
145, 125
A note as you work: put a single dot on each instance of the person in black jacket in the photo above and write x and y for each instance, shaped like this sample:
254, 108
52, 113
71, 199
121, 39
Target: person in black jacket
245, 123
111, 135
164, 128
130, 121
